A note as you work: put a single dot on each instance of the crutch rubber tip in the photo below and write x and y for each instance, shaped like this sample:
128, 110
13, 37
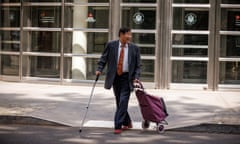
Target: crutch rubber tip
80, 130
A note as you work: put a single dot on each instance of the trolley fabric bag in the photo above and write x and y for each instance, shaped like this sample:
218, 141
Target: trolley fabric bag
153, 108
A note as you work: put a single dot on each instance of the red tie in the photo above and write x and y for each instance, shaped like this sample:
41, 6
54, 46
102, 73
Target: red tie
120, 61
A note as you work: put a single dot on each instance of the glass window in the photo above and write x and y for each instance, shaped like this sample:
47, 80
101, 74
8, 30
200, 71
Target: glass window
229, 72
140, 1
80, 68
42, 16
230, 19
190, 45
84, 68
147, 73
190, 39
43, 0
186, 51
9, 65
146, 43
189, 72
10, 40
41, 66
139, 18
88, 1
230, 46
79, 42
42, 41
86, 17
189, 19
230, 1
9, 1
9, 16
191, 1
91, 68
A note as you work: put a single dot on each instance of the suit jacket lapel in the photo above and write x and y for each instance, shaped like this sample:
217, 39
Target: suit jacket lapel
130, 50
116, 46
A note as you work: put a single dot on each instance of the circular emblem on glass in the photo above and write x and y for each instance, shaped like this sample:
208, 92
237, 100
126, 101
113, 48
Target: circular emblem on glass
138, 18
190, 19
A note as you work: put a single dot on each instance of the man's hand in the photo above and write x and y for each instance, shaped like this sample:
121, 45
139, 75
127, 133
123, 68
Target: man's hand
98, 73
135, 81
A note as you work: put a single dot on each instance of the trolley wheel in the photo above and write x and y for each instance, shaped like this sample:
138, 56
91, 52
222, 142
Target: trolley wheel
145, 124
160, 128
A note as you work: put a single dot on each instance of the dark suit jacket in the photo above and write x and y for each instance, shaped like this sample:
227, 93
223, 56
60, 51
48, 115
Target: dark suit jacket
110, 57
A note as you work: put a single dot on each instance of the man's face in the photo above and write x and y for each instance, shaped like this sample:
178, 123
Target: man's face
126, 38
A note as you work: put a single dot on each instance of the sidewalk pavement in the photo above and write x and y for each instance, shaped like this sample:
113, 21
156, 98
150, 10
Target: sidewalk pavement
67, 104
32, 134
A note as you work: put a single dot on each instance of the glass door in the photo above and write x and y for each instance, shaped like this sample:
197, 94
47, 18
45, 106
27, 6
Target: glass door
42, 40
189, 52
140, 16
9, 39
229, 67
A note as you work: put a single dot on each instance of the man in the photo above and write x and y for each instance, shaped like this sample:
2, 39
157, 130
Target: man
123, 63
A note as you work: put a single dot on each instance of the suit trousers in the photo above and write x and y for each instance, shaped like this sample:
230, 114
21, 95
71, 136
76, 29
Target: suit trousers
122, 92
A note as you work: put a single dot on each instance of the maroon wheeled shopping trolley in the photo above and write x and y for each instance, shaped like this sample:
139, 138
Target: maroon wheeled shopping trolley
153, 108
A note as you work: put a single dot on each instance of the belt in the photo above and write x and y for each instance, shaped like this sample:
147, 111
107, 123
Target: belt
124, 73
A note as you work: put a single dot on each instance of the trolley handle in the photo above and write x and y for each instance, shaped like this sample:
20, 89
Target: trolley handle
139, 85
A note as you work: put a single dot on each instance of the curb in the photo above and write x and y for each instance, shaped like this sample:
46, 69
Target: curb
211, 128
28, 120
202, 128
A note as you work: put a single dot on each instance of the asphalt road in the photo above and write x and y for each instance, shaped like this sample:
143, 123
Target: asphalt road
32, 134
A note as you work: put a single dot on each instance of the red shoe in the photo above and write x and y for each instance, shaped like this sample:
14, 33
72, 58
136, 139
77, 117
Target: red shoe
117, 131
129, 126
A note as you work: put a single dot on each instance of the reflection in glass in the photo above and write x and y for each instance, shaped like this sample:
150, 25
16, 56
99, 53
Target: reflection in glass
189, 72
10, 40
139, 18
229, 73
9, 16
85, 72
190, 39
79, 42
191, 1
91, 68
230, 19
42, 16
9, 65
147, 73
41, 66
185, 19
76, 68
230, 46
42, 41
86, 17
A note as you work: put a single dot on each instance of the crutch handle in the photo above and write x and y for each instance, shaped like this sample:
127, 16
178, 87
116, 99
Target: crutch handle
97, 76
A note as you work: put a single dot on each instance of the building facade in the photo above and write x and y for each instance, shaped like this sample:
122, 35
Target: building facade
183, 43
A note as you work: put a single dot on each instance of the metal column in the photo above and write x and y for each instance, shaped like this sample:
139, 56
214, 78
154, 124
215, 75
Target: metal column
115, 11
163, 48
